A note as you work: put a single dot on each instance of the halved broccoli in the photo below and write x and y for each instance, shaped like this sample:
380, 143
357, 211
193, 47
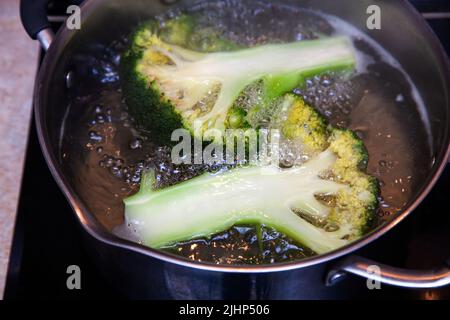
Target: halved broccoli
186, 76
323, 203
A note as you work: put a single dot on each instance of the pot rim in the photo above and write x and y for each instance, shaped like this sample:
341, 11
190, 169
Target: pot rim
96, 230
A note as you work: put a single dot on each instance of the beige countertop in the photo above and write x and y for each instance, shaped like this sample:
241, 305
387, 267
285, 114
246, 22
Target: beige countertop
18, 64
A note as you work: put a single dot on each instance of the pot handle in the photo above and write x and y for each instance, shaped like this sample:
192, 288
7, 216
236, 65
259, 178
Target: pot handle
33, 14
389, 275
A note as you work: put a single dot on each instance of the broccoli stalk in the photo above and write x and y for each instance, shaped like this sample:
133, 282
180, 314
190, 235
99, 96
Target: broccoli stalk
169, 87
323, 203
212, 203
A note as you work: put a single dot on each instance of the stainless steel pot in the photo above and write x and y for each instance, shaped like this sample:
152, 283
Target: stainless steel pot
146, 273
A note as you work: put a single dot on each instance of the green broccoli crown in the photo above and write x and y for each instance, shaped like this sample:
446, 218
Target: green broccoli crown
357, 206
184, 75
353, 207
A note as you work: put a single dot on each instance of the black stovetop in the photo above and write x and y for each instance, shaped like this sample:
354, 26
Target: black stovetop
47, 236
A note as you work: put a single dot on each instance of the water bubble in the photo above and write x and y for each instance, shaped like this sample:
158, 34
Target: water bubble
109, 161
399, 98
100, 118
304, 158
135, 143
140, 165
345, 110
98, 108
136, 178
342, 123
90, 146
116, 171
385, 205
361, 133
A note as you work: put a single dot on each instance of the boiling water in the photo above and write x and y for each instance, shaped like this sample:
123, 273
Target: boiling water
106, 155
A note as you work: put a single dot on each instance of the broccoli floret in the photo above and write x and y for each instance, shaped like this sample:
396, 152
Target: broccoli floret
183, 84
302, 124
323, 203
178, 30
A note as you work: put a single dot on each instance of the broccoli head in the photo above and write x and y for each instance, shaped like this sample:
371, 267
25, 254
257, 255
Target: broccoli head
324, 203
183, 75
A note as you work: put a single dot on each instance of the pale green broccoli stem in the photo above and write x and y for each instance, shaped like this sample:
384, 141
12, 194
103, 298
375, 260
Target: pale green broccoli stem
289, 63
212, 203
